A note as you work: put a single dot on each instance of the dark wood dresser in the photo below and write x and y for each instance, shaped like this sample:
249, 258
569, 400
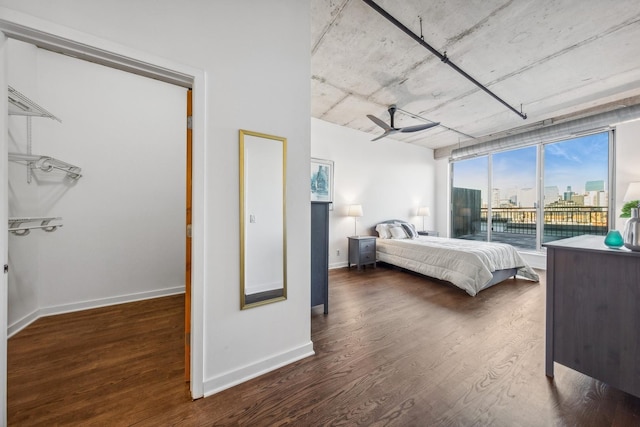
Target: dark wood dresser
320, 254
593, 311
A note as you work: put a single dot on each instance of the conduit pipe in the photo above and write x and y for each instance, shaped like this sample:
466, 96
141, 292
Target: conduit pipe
442, 57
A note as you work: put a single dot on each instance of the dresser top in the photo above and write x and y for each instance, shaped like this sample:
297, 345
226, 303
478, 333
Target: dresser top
588, 243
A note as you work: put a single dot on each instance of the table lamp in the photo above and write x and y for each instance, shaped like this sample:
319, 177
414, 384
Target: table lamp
355, 211
423, 211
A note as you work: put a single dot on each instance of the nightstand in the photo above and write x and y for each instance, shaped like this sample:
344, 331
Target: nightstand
362, 251
428, 233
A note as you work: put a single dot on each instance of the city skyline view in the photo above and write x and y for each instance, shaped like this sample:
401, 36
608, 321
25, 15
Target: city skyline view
570, 163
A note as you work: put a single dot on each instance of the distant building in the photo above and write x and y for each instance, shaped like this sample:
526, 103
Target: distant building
527, 198
579, 199
596, 198
568, 194
495, 197
562, 204
551, 195
594, 186
512, 196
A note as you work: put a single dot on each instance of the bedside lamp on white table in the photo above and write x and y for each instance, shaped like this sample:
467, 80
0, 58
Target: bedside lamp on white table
355, 211
423, 211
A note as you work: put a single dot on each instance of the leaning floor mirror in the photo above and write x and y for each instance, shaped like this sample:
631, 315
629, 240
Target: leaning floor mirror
263, 251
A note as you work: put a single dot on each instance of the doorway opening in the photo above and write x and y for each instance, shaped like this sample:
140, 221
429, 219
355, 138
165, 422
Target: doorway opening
60, 39
122, 216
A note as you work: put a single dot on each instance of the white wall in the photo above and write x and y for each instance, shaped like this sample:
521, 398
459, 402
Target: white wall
257, 60
390, 179
24, 265
627, 158
123, 233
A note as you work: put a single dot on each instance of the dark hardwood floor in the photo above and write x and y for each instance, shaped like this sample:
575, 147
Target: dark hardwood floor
396, 349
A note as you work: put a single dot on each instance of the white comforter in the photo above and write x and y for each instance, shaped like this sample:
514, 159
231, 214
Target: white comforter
465, 263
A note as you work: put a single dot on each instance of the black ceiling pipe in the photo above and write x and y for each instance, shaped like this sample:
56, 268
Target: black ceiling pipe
442, 57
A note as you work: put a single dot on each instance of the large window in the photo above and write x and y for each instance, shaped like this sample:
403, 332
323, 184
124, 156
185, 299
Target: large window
514, 197
576, 191
469, 198
497, 197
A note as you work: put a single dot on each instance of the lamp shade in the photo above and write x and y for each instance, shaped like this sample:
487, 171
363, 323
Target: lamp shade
354, 210
633, 192
423, 211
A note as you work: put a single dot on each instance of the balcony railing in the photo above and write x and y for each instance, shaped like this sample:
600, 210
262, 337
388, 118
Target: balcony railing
518, 225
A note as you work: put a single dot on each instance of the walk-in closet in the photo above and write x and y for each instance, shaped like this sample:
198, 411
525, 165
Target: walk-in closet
96, 196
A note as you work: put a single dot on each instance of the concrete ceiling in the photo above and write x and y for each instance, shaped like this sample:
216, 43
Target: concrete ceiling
558, 59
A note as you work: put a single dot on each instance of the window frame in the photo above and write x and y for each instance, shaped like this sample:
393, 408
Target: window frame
540, 147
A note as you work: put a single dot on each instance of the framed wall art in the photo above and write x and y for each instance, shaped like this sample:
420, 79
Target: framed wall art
321, 180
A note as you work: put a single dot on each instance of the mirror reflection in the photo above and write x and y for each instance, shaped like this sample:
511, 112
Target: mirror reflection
262, 219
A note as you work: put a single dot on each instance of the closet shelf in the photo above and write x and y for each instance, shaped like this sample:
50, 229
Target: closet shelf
20, 105
16, 227
47, 164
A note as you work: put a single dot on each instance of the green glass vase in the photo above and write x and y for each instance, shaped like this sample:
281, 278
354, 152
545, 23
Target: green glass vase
614, 239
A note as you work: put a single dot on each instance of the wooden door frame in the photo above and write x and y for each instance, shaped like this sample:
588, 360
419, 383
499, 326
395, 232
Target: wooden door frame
57, 38
188, 223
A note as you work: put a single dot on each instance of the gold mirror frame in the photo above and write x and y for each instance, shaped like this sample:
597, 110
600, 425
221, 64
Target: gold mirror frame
262, 249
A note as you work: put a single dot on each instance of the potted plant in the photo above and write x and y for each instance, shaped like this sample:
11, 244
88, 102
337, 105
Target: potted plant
626, 208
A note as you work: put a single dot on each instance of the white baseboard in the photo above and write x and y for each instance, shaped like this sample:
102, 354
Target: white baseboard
337, 265
229, 379
19, 325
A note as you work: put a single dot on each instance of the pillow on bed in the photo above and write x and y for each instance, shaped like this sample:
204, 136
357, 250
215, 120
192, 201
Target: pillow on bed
383, 231
397, 232
410, 229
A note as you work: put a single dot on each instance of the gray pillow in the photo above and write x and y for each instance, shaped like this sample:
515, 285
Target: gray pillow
410, 230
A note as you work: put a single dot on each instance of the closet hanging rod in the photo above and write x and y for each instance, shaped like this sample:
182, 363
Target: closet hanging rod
15, 224
23, 231
47, 164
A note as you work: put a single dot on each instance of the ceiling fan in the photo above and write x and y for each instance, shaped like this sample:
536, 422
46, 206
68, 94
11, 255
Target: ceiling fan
390, 130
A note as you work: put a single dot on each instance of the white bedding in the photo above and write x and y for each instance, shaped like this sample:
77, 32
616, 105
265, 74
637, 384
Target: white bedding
467, 264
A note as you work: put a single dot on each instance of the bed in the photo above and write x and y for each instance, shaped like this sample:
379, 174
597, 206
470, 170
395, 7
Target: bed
469, 265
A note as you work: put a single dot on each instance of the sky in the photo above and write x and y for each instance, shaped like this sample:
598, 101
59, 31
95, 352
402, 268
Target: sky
577, 161
571, 162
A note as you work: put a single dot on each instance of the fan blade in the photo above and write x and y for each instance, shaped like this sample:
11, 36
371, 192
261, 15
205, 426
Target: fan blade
387, 133
379, 122
417, 128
